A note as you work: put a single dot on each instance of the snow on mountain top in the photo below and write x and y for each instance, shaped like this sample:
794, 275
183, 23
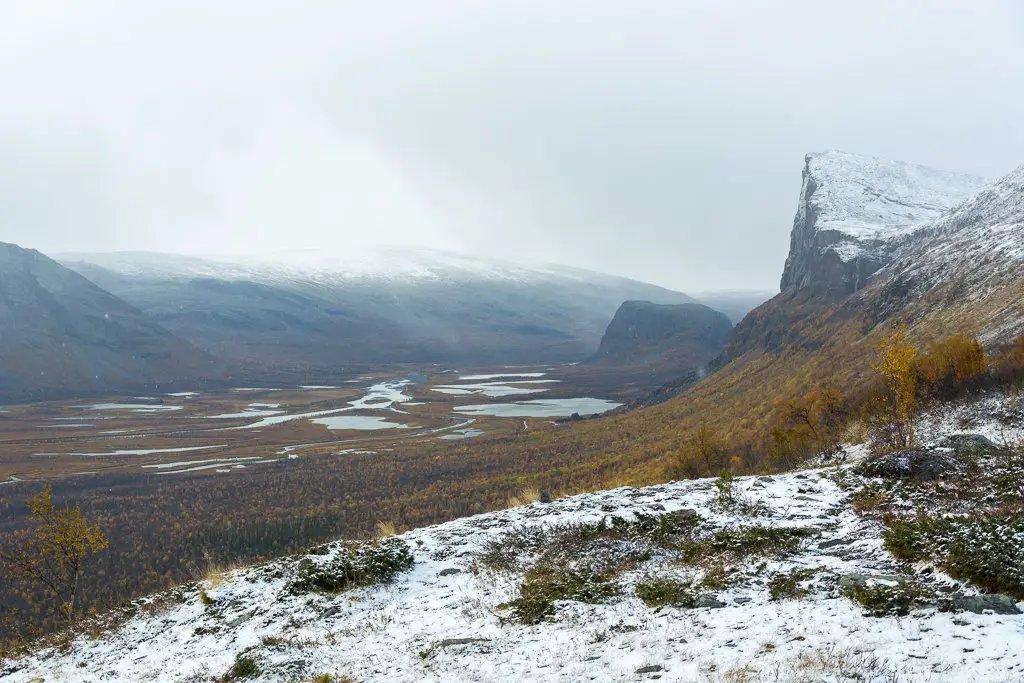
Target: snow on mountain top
871, 198
441, 620
324, 265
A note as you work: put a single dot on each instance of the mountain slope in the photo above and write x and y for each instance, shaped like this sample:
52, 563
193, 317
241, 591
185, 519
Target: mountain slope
808, 337
771, 596
61, 335
854, 209
681, 335
317, 312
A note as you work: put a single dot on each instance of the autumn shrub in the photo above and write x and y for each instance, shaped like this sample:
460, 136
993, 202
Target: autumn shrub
1008, 364
666, 592
950, 366
892, 426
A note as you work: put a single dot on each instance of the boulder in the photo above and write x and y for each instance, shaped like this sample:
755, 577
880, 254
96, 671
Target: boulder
970, 444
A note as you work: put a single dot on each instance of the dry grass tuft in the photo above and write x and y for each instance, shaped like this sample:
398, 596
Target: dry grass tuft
526, 495
386, 529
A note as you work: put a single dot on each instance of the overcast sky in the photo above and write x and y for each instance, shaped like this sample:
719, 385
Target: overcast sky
659, 140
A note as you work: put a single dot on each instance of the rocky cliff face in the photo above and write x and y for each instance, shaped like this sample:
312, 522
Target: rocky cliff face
686, 335
62, 336
853, 213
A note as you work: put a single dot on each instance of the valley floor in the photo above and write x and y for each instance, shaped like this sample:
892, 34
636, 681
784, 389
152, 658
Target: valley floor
441, 620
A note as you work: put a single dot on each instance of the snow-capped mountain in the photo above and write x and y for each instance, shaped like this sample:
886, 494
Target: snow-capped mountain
854, 210
315, 311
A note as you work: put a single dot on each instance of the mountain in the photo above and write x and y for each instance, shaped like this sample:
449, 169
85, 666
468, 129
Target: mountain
62, 336
316, 312
855, 210
960, 273
685, 336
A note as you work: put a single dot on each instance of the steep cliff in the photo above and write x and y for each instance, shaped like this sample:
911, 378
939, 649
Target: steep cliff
853, 213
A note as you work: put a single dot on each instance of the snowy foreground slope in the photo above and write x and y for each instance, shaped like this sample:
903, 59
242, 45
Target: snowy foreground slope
440, 620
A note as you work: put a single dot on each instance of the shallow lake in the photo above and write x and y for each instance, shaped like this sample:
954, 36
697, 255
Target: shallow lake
552, 407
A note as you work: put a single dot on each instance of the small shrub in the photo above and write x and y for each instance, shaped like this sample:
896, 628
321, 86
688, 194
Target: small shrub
728, 498
205, 598
787, 586
543, 586
504, 552
355, 565
741, 543
324, 678
882, 600
665, 592
244, 667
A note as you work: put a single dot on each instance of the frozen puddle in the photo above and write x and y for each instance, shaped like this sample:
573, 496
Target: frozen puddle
461, 434
362, 422
493, 389
471, 378
134, 407
140, 451
67, 425
379, 396
254, 410
552, 407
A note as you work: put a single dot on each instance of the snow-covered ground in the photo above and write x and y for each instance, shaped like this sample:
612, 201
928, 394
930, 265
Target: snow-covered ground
440, 620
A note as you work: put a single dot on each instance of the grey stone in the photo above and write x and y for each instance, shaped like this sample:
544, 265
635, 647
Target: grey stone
970, 444
916, 464
449, 571
979, 604
650, 669
708, 600
449, 642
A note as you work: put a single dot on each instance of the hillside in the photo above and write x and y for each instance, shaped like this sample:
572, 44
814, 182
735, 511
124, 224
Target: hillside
962, 273
64, 336
773, 578
682, 335
313, 312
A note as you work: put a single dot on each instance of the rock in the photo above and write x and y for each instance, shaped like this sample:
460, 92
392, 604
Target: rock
650, 669
742, 601
979, 604
857, 579
450, 642
709, 600
545, 497
449, 571
916, 464
825, 545
970, 444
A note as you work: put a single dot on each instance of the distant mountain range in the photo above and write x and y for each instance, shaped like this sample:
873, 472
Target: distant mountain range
308, 313
61, 335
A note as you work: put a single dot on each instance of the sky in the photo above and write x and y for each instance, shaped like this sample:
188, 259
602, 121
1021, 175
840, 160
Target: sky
661, 140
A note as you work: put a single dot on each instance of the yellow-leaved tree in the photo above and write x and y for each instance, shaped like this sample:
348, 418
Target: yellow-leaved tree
53, 554
894, 428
